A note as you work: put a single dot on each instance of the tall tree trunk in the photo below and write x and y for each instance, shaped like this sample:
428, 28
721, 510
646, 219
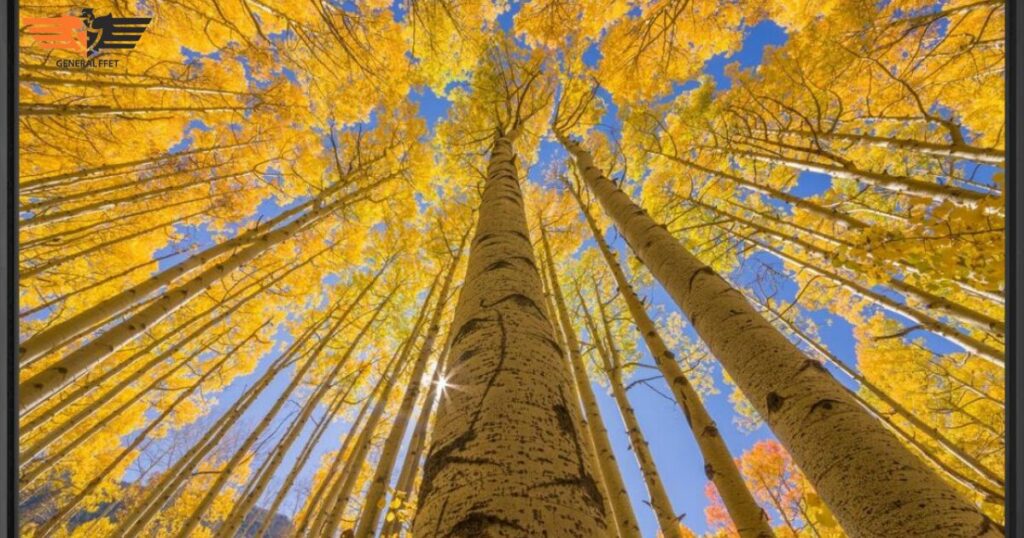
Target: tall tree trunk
157, 494
830, 436
954, 151
414, 453
923, 320
508, 457
993, 479
244, 505
828, 213
615, 486
374, 499
719, 466
901, 184
47, 415
613, 366
927, 300
314, 500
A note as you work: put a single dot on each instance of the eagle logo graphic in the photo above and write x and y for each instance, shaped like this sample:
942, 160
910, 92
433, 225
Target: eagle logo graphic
86, 34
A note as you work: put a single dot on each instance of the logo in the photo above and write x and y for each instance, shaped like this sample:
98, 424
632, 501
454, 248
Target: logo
86, 34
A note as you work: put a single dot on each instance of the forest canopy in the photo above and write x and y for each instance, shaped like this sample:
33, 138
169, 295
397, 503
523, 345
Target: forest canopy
513, 268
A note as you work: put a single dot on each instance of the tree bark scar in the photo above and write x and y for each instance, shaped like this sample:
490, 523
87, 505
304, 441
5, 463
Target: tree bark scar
500, 264
811, 363
774, 401
468, 327
442, 457
476, 525
824, 403
520, 300
705, 269
583, 479
709, 471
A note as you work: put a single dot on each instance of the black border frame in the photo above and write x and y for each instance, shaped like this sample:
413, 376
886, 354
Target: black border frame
1014, 268
9, 269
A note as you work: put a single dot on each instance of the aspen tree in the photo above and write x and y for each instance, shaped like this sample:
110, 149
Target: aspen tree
373, 500
307, 449
936, 435
749, 518
414, 452
925, 299
591, 448
68, 368
51, 411
613, 366
65, 511
328, 523
244, 505
615, 487
313, 502
830, 436
254, 434
157, 494
507, 456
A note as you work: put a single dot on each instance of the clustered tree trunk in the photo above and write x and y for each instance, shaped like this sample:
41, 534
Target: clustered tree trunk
834, 440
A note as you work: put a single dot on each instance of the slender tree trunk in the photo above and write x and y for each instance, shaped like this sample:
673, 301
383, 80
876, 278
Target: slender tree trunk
68, 368
313, 503
243, 451
949, 446
53, 337
289, 480
901, 184
414, 453
968, 342
157, 494
508, 456
374, 499
95, 404
31, 472
928, 301
830, 436
591, 447
64, 178
328, 522
66, 510
719, 466
615, 486
827, 213
57, 261
245, 504
955, 151
612, 361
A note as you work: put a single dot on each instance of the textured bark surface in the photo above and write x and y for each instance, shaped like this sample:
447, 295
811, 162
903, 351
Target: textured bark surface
870, 481
614, 486
749, 518
508, 456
